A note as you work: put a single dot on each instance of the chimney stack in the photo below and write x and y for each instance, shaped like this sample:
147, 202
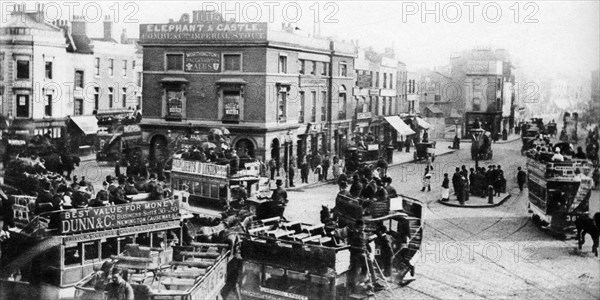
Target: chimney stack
79, 25
108, 28
124, 37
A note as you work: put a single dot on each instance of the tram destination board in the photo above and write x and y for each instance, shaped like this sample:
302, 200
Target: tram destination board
110, 217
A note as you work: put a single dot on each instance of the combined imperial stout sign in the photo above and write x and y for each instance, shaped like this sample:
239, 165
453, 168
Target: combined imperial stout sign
109, 217
173, 33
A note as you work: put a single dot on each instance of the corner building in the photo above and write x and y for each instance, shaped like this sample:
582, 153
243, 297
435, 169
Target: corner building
280, 94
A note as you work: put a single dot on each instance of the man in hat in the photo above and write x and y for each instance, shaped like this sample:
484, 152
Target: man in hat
381, 194
356, 187
130, 188
102, 197
359, 260
80, 197
344, 189
279, 194
118, 194
151, 185
391, 191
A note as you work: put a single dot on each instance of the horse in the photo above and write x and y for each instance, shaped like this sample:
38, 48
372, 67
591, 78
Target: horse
586, 225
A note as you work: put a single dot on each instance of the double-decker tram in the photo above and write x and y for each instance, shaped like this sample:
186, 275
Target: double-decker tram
559, 191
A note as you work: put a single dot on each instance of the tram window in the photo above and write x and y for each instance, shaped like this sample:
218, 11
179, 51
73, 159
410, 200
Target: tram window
223, 191
214, 190
143, 239
124, 241
205, 189
90, 251
110, 247
197, 188
73, 255
157, 238
274, 277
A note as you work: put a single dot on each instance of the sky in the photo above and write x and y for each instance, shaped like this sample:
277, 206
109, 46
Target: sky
543, 37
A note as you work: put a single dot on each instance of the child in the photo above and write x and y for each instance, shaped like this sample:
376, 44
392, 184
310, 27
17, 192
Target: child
426, 181
319, 172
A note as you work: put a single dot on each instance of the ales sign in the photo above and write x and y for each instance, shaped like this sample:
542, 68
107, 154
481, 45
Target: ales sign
203, 61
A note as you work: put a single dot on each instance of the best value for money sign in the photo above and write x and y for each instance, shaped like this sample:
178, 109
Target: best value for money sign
109, 217
202, 32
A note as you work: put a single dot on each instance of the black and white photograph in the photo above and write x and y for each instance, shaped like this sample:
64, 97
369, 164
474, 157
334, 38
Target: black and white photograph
299, 150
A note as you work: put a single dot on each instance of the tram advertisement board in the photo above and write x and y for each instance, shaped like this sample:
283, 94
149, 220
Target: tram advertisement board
109, 217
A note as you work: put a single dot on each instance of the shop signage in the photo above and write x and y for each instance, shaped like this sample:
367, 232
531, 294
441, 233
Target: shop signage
363, 115
312, 82
203, 61
484, 67
110, 217
203, 32
364, 80
17, 142
373, 92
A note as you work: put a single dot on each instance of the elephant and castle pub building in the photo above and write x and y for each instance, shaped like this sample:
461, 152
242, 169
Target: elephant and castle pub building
278, 93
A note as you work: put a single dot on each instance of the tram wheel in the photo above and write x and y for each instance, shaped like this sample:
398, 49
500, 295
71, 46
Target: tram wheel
536, 219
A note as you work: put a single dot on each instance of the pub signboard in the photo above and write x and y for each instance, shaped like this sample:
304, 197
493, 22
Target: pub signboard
203, 61
215, 32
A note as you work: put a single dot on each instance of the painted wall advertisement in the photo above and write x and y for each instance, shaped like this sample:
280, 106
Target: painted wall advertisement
174, 105
109, 217
203, 61
202, 32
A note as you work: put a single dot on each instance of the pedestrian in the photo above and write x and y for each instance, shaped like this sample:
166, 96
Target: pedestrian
304, 169
319, 172
359, 260
326, 164
272, 168
130, 188
117, 169
426, 181
292, 171
356, 187
407, 144
446, 188
118, 288
455, 180
460, 192
336, 169
344, 189
383, 166
521, 178
403, 232
385, 242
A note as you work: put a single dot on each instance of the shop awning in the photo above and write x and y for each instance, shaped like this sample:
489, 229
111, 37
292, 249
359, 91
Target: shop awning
399, 125
87, 124
422, 123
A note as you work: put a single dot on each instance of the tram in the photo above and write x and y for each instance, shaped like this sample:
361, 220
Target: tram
52, 251
557, 193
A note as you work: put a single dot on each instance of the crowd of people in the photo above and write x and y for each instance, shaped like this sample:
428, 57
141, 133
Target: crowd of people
477, 182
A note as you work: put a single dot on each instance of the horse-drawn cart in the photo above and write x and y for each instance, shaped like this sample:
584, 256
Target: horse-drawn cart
424, 150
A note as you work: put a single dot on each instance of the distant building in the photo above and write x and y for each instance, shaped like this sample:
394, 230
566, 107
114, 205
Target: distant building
55, 77
487, 82
279, 94
380, 90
